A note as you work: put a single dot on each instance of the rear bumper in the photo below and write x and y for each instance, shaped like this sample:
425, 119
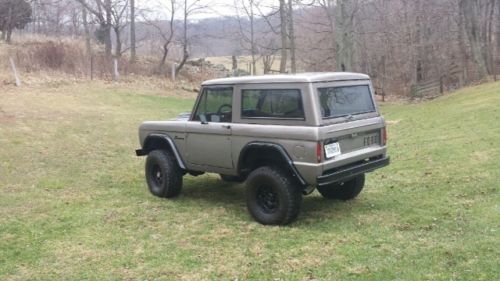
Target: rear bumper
349, 171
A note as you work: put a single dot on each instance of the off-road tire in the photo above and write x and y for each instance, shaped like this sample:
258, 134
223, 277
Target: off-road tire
273, 197
163, 175
343, 191
229, 178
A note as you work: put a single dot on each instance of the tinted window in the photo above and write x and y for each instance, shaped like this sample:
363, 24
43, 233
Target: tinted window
342, 101
284, 104
215, 105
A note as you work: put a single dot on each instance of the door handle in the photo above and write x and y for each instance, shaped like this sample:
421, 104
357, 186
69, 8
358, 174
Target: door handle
226, 126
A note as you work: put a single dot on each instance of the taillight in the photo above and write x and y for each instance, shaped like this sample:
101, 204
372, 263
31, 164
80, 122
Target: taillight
319, 152
384, 136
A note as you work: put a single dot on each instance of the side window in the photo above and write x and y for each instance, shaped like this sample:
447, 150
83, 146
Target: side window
283, 104
215, 105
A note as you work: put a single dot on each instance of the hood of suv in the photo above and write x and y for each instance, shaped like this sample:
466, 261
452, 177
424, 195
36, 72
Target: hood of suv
184, 116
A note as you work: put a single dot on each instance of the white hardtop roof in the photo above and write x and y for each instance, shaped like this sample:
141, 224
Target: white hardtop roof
289, 78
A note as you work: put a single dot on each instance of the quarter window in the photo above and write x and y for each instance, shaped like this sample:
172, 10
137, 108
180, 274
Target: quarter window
215, 105
272, 103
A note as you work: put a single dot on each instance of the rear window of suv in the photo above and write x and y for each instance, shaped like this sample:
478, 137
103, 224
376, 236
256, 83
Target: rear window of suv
345, 101
272, 103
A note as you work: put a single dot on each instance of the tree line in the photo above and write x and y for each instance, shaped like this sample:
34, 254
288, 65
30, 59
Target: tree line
400, 43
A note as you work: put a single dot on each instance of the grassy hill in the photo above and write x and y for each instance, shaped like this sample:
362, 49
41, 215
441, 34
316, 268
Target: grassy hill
74, 204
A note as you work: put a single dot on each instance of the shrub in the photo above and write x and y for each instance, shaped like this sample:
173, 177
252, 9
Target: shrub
50, 55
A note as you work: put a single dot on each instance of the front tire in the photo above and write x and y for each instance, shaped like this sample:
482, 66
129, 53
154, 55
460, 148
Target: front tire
163, 175
347, 190
273, 197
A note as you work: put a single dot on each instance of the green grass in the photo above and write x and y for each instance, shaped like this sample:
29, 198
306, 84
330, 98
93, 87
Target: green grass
74, 204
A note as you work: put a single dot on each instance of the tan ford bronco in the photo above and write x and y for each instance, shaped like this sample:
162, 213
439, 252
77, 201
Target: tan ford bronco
284, 135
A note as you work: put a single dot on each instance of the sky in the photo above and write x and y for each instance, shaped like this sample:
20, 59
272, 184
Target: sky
215, 8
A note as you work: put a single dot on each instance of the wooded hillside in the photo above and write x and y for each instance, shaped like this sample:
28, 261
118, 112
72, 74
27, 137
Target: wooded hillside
404, 45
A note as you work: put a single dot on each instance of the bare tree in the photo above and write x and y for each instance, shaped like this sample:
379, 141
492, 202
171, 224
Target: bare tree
246, 32
284, 35
86, 28
166, 35
489, 25
118, 13
106, 29
291, 37
400, 43
268, 58
497, 49
344, 20
13, 14
133, 55
190, 7
469, 9
102, 11
314, 35
56, 17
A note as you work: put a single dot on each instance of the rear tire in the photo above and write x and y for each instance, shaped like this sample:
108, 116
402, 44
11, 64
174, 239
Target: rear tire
163, 175
273, 197
345, 190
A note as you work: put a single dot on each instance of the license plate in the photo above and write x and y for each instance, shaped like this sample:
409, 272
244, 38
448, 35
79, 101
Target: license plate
332, 149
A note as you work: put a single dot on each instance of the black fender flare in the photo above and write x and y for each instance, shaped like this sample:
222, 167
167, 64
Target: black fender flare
273, 146
163, 139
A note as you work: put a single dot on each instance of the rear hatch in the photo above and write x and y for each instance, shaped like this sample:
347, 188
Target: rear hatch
349, 118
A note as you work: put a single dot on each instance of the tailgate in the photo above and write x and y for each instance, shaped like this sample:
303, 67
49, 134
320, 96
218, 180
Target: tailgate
344, 138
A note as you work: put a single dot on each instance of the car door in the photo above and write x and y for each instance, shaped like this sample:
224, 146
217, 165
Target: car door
209, 130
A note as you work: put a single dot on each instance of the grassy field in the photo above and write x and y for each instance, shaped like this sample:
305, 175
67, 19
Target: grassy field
74, 204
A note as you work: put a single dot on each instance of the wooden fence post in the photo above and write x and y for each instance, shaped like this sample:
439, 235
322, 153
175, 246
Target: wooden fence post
173, 72
14, 71
235, 65
413, 91
441, 85
117, 74
496, 68
91, 67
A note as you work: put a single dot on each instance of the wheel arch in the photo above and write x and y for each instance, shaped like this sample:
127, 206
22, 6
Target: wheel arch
258, 154
160, 141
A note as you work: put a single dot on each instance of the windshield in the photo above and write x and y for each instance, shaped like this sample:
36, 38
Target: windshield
345, 101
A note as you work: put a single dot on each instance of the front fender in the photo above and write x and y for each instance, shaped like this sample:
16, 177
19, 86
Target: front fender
160, 141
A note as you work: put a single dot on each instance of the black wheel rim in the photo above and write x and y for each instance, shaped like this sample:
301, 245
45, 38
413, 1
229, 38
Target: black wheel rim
267, 199
157, 175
